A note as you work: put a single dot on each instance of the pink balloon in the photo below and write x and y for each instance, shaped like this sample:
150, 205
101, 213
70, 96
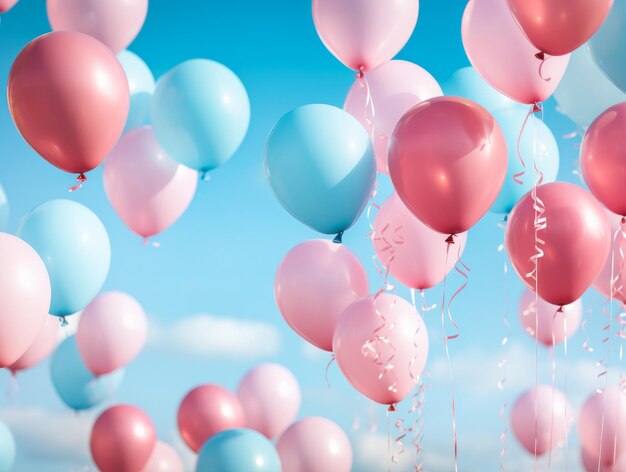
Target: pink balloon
207, 410
501, 54
24, 297
122, 439
603, 282
68, 96
591, 463
448, 161
314, 283
43, 345
553, 417
115, 23
364, 34
369, 333
146, 187
388, 93
577, 241
270, 396
315, 444
164, 459
6, 5
111, 332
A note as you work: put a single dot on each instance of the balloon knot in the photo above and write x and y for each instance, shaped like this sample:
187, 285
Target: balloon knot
541, 56
537, 108
205, 176
561, 309
339, 238
450, 239
81, 177
623, 221
360, 74
64, 322
392, 407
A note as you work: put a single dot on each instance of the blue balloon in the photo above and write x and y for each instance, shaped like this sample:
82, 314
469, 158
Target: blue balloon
238, 450
75, 247
4, 210
78, 388
320, 164
608, 45
7, 448
537, 136
141, 85
200, 113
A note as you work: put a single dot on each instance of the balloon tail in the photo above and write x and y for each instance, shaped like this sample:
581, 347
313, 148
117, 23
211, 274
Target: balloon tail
64, 322
503, 362
205, 176
146, 242
389, 438
534, 108
80, 179
553, 362
338, 239
330, 362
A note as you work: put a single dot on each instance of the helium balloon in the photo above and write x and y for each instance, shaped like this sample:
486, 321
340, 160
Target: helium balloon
591, 463
467, 83
553, 326
141, 85
613, 263
606, 45
43, 345
320, 164
4, 210
7, 449
164, 459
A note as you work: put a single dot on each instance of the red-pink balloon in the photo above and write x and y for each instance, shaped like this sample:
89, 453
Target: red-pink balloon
577, 241
603, 282
207, 410
591, 463
373, 332
503, 56
314, 283
387, 94
447, 162
122, 439
146, 187
115, 23
6, 5
42, 346
364, 34
315, 444
164, 459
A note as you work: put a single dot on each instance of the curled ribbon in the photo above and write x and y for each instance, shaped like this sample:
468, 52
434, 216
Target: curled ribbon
502, 363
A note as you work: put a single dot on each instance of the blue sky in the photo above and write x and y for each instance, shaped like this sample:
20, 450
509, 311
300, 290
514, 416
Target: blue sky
215, 267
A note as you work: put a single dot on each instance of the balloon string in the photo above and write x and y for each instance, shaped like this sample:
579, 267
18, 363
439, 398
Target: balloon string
503, 361
330, 362
388, 442
620, 318
80, 179
553, 362
534, 108
419, 399
146, 242
543, 57
565, 386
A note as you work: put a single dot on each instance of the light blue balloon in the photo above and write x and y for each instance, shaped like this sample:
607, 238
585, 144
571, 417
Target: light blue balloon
537, 136
608, 45
238, 450
74, 245
7, 448
4, 210
141, 85
320, 164
77, 387
200, 113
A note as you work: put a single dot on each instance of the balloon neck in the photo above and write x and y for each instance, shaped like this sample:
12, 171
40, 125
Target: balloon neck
64, 321
392, 407
505, 218
339, 238
623, 221
541, 56
205, 176
80, 179
450, 239
537, 107
560, 309
361, 73
13, 373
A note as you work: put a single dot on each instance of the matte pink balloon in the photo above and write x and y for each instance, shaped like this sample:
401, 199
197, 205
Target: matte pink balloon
68, 96
388, 93
111, 332
591, 463
364, 34
115, 23
369, 333
43, 345
24, 297
577, 241
447, 162
553, 417
207, 410
503, 56
315, 444
146, 187
603, 282
270, 396
164, 459
6, 5
314, 283
122, 439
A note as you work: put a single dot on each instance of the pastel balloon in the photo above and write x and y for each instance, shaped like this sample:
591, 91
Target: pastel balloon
371, 331
122, 439
606, 45
24, 297
576, 241
43, 345
164, 459
4, 210
314, 283
200, 113
270, 396
380, 100
413, 253
591, 463
7, 448
467, 83
315, 444
5, 6
613, 263
146, 187
238, 450
207, 410
141, 86
502, 55
320, 164
115, 23
553, 326
75, 247
68, 96
111, 332
447, 162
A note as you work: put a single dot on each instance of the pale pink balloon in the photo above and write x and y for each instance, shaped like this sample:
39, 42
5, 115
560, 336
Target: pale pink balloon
552, 416
6, 5
414, 254
111, 332
146, 187
603, 282
115, 23
314, 283
369, 333
387, 93
42, 346
503, 56
315, 444
24, 297
591, 463
364, 34
164, 459
270, 396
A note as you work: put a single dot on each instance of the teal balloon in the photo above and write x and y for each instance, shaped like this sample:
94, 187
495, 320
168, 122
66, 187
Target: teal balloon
75, 247
320, 164
238, 450
608, 45
536, 136
200, 113
77, 387
141, 85
7, 448
4, 210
